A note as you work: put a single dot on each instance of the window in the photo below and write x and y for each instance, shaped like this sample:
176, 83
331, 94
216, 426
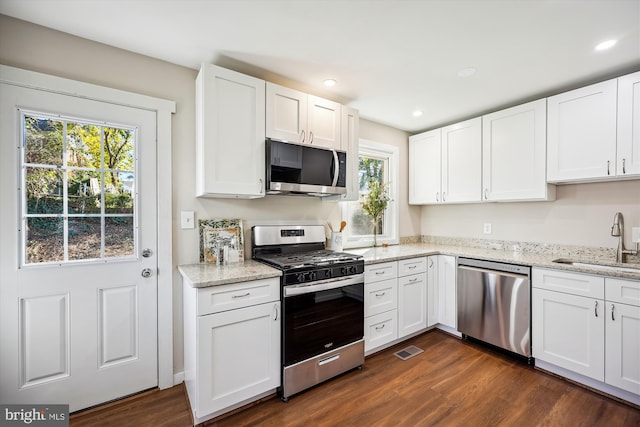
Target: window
78, 198
376, 162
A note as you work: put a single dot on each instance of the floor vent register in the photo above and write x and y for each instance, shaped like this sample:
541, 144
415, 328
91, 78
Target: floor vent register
408, 352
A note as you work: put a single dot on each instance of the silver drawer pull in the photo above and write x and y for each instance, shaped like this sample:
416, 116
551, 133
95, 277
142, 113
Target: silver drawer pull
595, 309
241, 296
412, 267
415, 279
379, 328
381, 295
329, 359
613, 307
379, 273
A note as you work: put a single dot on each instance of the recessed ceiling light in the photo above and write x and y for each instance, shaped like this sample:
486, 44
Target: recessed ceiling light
417, 113
606, 44
466, 72
330, 82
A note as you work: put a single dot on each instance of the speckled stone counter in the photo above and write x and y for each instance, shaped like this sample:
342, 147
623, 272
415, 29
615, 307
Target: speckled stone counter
204, 275
534, 259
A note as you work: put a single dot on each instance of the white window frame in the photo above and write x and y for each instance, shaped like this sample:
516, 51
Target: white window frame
389, 235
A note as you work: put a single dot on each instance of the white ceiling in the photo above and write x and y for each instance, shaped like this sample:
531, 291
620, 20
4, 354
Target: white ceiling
389, 57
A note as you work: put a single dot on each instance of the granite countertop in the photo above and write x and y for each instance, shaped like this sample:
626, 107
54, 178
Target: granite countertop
204, 275
533, 259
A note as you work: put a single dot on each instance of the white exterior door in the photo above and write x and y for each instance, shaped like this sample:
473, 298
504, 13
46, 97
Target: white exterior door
78, 321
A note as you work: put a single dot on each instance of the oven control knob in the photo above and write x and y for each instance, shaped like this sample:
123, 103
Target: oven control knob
326, 274
313, 276
300, 277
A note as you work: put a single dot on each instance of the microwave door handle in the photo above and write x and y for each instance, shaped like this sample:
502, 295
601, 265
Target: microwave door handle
336, 168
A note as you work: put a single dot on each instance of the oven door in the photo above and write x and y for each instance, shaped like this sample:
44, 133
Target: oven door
321, 317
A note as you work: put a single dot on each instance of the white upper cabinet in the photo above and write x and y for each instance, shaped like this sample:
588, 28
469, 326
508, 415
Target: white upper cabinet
514, 154
628, 162
461, 162
294, 116
425, 168
581, 144
230, 134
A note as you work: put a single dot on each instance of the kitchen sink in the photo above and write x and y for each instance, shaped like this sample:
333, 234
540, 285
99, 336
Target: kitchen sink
596, 266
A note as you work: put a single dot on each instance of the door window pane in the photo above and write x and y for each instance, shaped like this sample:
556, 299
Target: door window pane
78, 187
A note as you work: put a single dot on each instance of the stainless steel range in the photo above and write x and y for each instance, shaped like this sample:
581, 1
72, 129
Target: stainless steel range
323, 304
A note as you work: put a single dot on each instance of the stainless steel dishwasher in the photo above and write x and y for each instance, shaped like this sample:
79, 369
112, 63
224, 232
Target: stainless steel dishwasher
494, 304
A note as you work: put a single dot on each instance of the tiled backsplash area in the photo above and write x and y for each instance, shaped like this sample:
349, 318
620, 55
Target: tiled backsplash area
566, 251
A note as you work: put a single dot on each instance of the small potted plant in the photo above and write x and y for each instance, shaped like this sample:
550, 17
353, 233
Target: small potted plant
374, 204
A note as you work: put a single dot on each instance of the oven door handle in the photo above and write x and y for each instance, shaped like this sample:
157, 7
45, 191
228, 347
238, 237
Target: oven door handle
293, 290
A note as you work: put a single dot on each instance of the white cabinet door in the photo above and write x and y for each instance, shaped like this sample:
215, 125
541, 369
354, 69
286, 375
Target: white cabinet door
628, 162
230, 134
514, 154
432, 290
412, 304
568, 331
425, 168
622, 367
447, 313
323, 117
350, 142
286, 114
462, 162
581, 138
238, 356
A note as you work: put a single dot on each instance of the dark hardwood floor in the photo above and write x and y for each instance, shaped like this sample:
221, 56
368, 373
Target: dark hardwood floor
452, 383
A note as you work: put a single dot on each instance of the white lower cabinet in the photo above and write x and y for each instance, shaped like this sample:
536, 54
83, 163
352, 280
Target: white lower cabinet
568, 331
447, 304
232, 345
380, 304
432, 290
588, 325
412, 296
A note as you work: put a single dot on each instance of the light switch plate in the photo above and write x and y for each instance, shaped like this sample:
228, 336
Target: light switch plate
187, 220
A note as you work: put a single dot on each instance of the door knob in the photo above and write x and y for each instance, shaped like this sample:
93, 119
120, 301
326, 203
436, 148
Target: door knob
146, 273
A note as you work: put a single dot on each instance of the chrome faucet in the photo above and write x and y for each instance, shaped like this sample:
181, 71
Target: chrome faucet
617, 230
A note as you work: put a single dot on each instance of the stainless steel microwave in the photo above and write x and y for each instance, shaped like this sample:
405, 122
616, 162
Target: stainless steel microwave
304, 169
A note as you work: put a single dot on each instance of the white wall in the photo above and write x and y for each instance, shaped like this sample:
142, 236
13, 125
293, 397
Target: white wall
581, 215
36, 48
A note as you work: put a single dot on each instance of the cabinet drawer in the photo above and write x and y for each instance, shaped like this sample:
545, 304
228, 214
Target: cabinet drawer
622, 291
412, 266
215, 299
567, 282
380, 329
380, 297
378, 272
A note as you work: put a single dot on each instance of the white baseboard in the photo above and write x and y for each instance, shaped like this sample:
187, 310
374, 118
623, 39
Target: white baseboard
178, 378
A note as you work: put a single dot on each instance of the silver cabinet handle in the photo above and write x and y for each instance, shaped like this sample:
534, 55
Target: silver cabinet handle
302, 136
415, 279
381, 295
596, 309
608, 168
624, 169
412, 267
438, 196
241, 296
430, 263
613, 317
260, 186
379, 273
379, 328
444, 198
310, 137
275, 309
485, 193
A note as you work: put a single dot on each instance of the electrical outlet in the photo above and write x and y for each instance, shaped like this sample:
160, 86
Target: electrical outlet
487, 228
187, 220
